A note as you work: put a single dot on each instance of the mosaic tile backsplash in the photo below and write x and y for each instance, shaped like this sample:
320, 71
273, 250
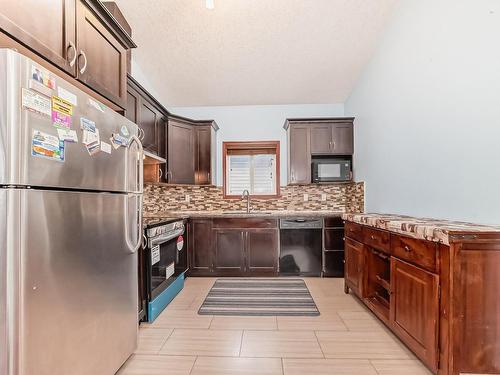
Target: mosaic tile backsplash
341, 198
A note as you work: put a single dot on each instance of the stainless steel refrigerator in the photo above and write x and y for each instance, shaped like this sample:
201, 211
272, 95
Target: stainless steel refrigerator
70, 226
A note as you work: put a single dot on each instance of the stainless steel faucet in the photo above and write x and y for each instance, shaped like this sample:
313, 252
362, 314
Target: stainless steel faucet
246, 194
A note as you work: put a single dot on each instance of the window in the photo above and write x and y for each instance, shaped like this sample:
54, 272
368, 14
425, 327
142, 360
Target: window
252, 166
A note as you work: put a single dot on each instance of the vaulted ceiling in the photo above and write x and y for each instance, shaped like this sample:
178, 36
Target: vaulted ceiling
247, 52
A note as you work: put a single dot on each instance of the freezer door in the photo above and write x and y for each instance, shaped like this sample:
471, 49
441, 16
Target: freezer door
77, 282
72, 166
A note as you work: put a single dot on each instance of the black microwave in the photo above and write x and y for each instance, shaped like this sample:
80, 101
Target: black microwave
331, 170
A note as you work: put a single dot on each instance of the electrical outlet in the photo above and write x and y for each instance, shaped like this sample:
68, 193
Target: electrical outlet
306, 197
323, 197
188, 198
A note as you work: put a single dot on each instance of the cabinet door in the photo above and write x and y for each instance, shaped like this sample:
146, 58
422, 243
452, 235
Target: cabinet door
414, 309
300, 155
342, 139
262, 252
180, 153
229, 251
201, 250
46, 26
132, 108
203, 155
321, 139
354, 262
149, 118
102, 60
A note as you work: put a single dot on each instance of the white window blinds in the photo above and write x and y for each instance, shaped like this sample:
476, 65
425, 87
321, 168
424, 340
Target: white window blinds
255, 173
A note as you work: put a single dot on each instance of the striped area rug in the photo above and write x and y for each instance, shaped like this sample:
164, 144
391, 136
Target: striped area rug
259, 297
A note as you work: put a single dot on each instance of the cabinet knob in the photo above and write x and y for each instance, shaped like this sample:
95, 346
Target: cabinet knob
372, 237
407, 248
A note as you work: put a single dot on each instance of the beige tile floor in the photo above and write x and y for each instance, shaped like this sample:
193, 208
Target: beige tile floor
346, 339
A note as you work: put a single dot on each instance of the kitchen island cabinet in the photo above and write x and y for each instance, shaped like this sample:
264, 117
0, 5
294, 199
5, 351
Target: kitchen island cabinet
433, 283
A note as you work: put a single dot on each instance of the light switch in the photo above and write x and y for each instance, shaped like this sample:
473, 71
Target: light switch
323, 197
306, 197
188, 198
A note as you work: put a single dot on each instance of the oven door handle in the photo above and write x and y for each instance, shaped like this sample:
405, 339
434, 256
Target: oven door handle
161, 239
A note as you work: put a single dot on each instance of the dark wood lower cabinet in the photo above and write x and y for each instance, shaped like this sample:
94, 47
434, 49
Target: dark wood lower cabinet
262, 251
200, 247
233, 247
229, 251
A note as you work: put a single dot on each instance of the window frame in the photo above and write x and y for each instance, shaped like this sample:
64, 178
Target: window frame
251, 145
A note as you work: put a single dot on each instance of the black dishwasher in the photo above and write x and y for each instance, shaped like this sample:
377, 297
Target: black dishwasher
300, 246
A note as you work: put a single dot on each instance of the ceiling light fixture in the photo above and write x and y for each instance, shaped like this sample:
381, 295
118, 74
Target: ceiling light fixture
210, 4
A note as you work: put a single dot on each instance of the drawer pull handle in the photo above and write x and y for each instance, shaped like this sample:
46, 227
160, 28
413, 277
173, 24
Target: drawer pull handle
407, 248
372, 237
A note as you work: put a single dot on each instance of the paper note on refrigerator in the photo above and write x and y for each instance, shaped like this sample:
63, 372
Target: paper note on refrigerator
67, 135
36, 102
47, 146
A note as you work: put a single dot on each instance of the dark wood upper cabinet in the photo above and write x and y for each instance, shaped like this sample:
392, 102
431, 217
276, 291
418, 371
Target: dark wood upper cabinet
262, 251
308, 137
415, 309
180, 147
203, 158
46, 27
191, 149
342, 139
133, 103
81, 37
321, 139
102, 59
150, 119
299, 155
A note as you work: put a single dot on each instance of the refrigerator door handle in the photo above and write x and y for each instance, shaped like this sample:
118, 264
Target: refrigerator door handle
133, 247
138, 189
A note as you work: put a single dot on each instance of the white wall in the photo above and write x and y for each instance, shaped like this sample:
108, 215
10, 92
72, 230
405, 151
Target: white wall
428, 113
254, 123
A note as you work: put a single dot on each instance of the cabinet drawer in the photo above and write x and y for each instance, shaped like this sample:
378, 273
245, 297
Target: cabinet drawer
244, 223
376, 238
354, 231
419, 252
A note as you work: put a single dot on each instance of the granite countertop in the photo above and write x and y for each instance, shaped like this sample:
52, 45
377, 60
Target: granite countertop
243, 214
442, 231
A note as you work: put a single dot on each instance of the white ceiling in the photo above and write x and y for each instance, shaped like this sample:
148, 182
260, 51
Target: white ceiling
254, 51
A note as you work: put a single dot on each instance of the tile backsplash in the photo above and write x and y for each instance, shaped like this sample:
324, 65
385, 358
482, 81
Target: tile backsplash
340, 197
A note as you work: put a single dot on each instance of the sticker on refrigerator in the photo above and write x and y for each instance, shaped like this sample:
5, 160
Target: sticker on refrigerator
155, 255
119, 140
60, 120
35, 102
96, 105
67, 135
47, 146
124, 131
43, 76
88, 125
105, 147
92, 141
116, 146
62, 106
67, 95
